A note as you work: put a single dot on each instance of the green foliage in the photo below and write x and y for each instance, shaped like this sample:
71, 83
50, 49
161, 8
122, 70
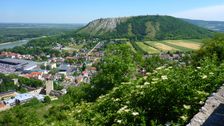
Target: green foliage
117, 66
8, 83
168, 94
47, 99
30, 82
211, 47
58, 86
153, 62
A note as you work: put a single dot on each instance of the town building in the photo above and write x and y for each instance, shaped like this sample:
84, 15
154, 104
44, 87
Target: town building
9, 65
49, 86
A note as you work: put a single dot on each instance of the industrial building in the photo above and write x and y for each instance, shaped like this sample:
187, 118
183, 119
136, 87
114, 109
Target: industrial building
23, 98
9, 65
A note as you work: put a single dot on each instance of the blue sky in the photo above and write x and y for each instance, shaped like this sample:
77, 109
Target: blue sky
83, 11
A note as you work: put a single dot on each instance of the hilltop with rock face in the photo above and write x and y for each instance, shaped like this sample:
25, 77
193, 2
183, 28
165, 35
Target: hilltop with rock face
145, 27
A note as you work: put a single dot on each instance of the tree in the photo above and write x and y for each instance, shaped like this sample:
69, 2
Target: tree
47, 99
117, 66
211, 47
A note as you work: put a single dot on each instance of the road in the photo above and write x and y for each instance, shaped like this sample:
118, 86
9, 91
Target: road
96, 46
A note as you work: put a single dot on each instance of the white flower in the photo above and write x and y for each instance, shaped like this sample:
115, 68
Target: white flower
119, 121
148, 73
102, 96
135, 113
154, 71
198, 67
137, 86
202, 93
146, 83
79, 111
187, 107
201, 102
154, 82
159, 68
167, 69
127, 102
127, 110
184, 118
211, 73
170, 67
155, 79
122, 109
204, 76
117, 99
164, 77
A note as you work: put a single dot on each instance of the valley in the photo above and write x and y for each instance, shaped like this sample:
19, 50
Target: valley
140, 70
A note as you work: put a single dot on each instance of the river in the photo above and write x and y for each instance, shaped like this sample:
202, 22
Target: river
9, 45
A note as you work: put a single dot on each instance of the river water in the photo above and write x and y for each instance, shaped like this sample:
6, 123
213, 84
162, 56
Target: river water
9, 45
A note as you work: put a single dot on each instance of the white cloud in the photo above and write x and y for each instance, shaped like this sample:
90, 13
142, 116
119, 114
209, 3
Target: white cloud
206, 13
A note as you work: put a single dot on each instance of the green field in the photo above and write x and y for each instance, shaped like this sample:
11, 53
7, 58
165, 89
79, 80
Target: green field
152, 47
147, 48
132, 48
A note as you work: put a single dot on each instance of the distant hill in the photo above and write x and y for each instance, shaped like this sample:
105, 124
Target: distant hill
212, 25
145, 27
39, 25
17, 31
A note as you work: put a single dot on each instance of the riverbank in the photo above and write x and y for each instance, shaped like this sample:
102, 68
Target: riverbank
9, 45
6, 43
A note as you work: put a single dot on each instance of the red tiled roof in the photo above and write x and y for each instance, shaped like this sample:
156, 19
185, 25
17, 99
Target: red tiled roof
33, 74
2, 105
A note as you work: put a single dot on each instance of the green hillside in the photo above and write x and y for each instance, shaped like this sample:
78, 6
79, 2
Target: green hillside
145, 27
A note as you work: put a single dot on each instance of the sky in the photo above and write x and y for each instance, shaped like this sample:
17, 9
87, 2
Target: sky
83, 11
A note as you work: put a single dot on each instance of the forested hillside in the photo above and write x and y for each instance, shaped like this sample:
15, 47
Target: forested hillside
145, 27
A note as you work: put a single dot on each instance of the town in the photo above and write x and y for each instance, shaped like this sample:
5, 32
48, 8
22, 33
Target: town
57, 74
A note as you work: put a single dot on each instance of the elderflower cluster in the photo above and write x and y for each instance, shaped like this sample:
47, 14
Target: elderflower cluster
119, 121
187, 107
123, 109
164, 77
204, 76
135, 113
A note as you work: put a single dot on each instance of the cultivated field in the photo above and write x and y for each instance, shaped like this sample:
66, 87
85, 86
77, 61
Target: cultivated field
168, 45
147, 48
190, 45
132, 48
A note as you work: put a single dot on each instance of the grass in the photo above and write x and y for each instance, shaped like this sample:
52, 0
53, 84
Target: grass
147, 48
130, 45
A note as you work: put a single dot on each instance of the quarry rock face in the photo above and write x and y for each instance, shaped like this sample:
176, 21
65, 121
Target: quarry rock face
102, 25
